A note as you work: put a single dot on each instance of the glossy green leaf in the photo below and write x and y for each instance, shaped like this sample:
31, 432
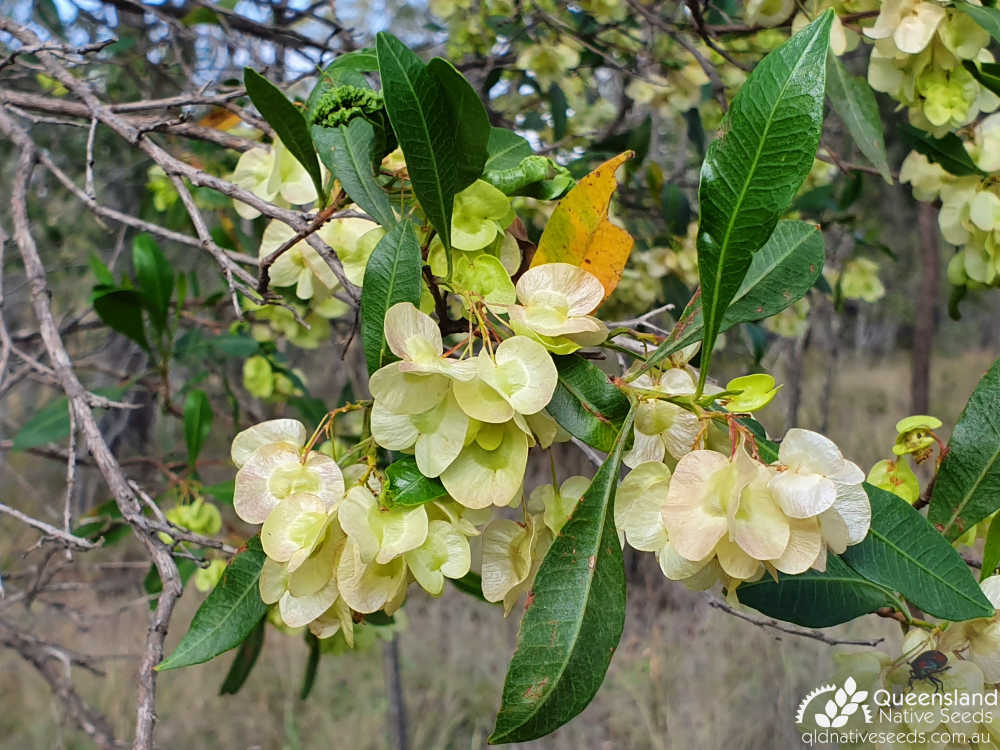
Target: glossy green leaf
780, 273
854, 102
420, 115
197, 422
751, 174
574, 617
244, 660
469, 121
985, 16
121, 310
586, 404
227, 615
312, 665
506, 150
347, 151
154, 277
287, 120
904, 553
392, 275
991, 552
967, 488
814, 599
408, 487
948, 151
472, 584
987, 74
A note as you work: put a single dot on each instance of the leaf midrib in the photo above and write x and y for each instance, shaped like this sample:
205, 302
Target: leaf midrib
724, 247
907, 556
373, 195
967, 498
446, 234
168, 663
615, 458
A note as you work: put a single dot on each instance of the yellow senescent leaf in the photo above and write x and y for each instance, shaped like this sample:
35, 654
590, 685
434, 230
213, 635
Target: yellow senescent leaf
579, 231
220, 119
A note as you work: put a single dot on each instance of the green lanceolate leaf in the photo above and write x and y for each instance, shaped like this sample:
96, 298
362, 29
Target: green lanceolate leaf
506, 150
155, 279
197, 422
472, 584
586, 404
227, 615
817, 600
780, 273
903, 552
121, 310
751, 174
987, 74
392, 275
854, 102
346, 150
420, 116
988, 18
991, 552
288, 123
407, 487
244, 660
948, 151
967, 488
468, 118
312, 665
574, 617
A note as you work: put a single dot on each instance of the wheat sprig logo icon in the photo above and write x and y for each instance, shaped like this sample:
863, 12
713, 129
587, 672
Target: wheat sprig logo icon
838, 709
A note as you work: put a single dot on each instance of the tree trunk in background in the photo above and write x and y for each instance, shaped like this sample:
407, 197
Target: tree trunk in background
927, 297
398, 730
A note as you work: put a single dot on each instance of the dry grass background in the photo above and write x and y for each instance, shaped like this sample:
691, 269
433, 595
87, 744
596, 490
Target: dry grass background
685, 675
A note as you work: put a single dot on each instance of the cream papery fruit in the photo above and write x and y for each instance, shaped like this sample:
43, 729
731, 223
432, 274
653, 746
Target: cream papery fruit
490, 469
307, 592
980, 636
369, 587
299, 266
436, 435
815, 480
289, 431
519, 379
444, 554
557, 299
336, 619
556, 504
638, 502
269, 173
925, 177
416, 339
353, 239
294, 527
910, 23
380, 534
512, 553
696, 512
276, 471
662, 427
